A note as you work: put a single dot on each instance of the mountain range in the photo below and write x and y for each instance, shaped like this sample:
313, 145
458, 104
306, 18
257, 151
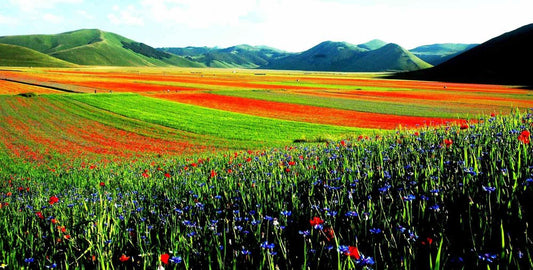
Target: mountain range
505, 59
100, 48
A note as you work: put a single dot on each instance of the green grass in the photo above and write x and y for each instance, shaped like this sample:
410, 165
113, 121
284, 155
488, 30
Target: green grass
405, 200
236, 127
16, 56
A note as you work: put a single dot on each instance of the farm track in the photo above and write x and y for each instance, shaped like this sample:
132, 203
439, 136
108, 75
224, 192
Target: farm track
42, 85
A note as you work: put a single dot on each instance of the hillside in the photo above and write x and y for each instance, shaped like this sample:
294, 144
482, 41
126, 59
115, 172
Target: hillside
505, 59
96, 47
436, 54
240, 56
342, 56
13, 55
373, 44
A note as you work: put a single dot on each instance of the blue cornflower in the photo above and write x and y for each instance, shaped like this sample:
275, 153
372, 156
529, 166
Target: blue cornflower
29, 260
267, 245
489, 189
286, 213
245, 251
304, 233
487, 257
53, 265
435, 207
364, 261
351, 214
375, 230
175, 259
343, 249
384, 188
409, 197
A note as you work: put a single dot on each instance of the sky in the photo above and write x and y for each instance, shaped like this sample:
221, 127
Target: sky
290, 25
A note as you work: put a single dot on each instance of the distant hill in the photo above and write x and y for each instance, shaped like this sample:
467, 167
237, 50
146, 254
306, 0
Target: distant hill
373, 44
342, 56
240, 56
96, 47
505, 59
13, 55
439, 53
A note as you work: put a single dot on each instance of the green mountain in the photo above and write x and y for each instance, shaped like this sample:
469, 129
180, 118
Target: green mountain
439, 53
505, 59
342, 56
240, 56
373, 44
13, 55
96, 47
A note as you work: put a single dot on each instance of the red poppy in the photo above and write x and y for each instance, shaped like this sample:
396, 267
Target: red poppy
102, 184
329, 232
316, 221
213, 173
524, 136
164, 258
292, 163
448, 142
167, 175
353, 252
464, 126
124, 258
53, 200
40, 215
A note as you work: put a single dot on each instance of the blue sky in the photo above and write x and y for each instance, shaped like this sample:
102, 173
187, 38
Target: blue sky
292, 25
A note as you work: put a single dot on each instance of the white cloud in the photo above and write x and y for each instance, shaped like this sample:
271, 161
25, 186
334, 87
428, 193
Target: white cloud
198, 13
36, 5
86, 15
51, 18
129, 16
6, 20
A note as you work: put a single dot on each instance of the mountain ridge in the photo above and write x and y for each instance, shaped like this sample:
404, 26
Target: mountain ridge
499, 60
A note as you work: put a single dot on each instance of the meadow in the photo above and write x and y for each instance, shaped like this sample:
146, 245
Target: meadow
217, 169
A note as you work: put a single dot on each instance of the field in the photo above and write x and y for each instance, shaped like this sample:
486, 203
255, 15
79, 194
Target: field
210, 168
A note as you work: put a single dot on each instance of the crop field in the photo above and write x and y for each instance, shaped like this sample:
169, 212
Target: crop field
121, 168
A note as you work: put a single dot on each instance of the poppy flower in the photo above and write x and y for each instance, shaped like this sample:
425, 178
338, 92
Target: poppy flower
316, 221
464, 126
102, 184
40, 215
330, 233
53, 200
213, 173
524, 136
164, 258
353, 252
167, 175
448, 142
124, 258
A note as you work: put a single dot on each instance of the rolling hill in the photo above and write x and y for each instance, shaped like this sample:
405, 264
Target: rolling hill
342, 56
505, 59
240, 56
13, 55
96, 47
375, 55
439, 53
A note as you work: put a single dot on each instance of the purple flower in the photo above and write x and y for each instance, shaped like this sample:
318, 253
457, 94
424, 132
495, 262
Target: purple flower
375, 230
